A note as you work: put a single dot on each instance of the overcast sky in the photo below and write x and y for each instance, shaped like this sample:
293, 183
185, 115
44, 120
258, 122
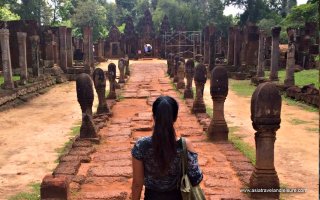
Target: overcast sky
234, 11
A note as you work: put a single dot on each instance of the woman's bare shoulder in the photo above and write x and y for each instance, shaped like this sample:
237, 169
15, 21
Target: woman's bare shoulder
190, 146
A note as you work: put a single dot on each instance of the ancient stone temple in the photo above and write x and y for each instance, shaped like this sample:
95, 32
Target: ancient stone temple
212, 52
69, 47
265, 116
165, 27
130, 39
275, 54
290, 66
63, 47
200, 79
147, 34
85, 98
237, 46
99, 80
113, 44
218, 129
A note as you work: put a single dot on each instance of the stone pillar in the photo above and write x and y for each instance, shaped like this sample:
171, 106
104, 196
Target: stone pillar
48, 57
85, 98
188, 93
181, 74
99, 80
261, 55
289, 81
121, 67
23, 57
218, 129
127, 63
35, 40
6, 59
169, 64
252, 39
176, 65
275, 53
200, 79
88, 49
237, 44
230, 55
212, 55
112, 81
265, 116
172, 62
63, 47
69, 47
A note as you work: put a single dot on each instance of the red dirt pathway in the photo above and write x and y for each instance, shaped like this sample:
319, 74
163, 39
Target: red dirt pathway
109, 174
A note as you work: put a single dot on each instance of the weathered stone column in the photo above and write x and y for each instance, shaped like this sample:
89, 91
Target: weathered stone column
212, 55
181, 74
63, 47
275, 53
289, 81
35, 40
261, 55
127, 63
176, 65
85, 98
99, 80
121, 67
87, 47
188, 93
48, 57
6, 59
169, 64
237, 45
230, 55
265, 116
218, 129
200, 79
112, 81
23, 57
172, 72
69, 47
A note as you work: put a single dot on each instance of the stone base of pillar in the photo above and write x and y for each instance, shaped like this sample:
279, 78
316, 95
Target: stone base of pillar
265, 179
122, 81
188, 94
181, 85
48, 63
23, 81
218, 130
288, 82
88, 129
112, 95
117, 85
8, 85
103, 109
54, 187
198, 107
257, 80
274, 78
171, 75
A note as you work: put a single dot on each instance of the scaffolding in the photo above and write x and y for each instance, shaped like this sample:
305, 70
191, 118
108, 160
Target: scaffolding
185, 43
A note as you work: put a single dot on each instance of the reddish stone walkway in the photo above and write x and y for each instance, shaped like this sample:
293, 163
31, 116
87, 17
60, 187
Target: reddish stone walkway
109, 174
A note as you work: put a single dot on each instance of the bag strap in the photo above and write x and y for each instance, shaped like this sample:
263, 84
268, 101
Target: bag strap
184, 157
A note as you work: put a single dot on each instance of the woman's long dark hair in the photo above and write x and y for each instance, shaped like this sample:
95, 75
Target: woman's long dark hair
165, 111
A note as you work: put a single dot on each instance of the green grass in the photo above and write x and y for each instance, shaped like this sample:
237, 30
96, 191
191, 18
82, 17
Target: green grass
245, 148
33, 195
242, 87
296, 121
313, 130
209, 111
301, 78
15, 78
302, 105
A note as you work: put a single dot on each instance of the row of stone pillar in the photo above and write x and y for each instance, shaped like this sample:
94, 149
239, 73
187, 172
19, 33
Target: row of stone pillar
265, 115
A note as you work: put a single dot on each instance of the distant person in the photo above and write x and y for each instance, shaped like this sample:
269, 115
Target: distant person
156, 159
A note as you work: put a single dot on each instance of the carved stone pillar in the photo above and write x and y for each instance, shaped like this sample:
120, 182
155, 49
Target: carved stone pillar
212, 55
218, 129
22, 57
176, 65
181, 74
6, 59
188, 93
63, 47
289, 81
35, 40
265, 116
69, 47
261, 55
230, 55
88, 48
121, 67
99, 80
85, 98
275, 53
172, 63
112, 81
200, 79
127, 63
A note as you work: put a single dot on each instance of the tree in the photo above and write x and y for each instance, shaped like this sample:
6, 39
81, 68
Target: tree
90, 13
7, 15
301, 14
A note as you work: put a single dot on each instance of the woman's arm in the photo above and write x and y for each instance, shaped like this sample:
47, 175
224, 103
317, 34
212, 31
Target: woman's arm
190, 146
138, 178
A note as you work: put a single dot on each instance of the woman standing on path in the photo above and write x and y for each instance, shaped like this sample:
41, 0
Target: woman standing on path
156, 159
